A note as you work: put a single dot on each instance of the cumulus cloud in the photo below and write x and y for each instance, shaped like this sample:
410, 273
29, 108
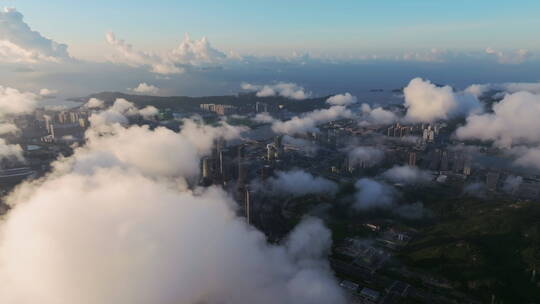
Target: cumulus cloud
264, 117
85, 225
527, 157
128, 55
299, 182
283, 89
196, 52
144, 88
365, 156
94, 103
119, 112
203, 136
426, 102
511, 183
304, 145
514, 120
407, 174
47, 92
148, 112
508, 87
111, 218
8, 128
15, 102
378, 115
20, 44
8, 151
189, 52
342, 100
373, 194
309, 122
515, 57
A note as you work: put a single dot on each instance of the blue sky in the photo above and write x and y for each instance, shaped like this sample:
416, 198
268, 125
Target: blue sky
353, 45
278, 27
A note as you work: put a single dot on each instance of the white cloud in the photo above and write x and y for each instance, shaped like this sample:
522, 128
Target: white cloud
300, 144
516, 57
196, 52
128, 55
144, 88
509, 87
514, 87
342, 100
264, 117
8, 128
117, 212
15, 102
118, 113
8, 151
283, 89
426, 102
20, 44
309, 122
148, 112
203, 136
478, 89
373, 194
527, 157
47, 92
514, 120
94, 103
375, 116
367, 156
299, 182
407, 174
433, 55
189, 52
512, 183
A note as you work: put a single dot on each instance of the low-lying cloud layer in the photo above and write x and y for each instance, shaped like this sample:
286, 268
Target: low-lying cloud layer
309, 121
373, 194
514, 120
283, 89
299, 182
8, 151
119, 112
407, 174
119, 222
342, 100
15, 102
426, 102
365, 156
375, 116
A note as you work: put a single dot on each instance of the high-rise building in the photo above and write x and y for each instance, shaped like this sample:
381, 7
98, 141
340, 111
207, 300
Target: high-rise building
412, 159
435, 160
242, 168
266, 172
492, 180
444, 161
271, 152
261, 107
206, 167
467, 166
247, 205
48, 123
